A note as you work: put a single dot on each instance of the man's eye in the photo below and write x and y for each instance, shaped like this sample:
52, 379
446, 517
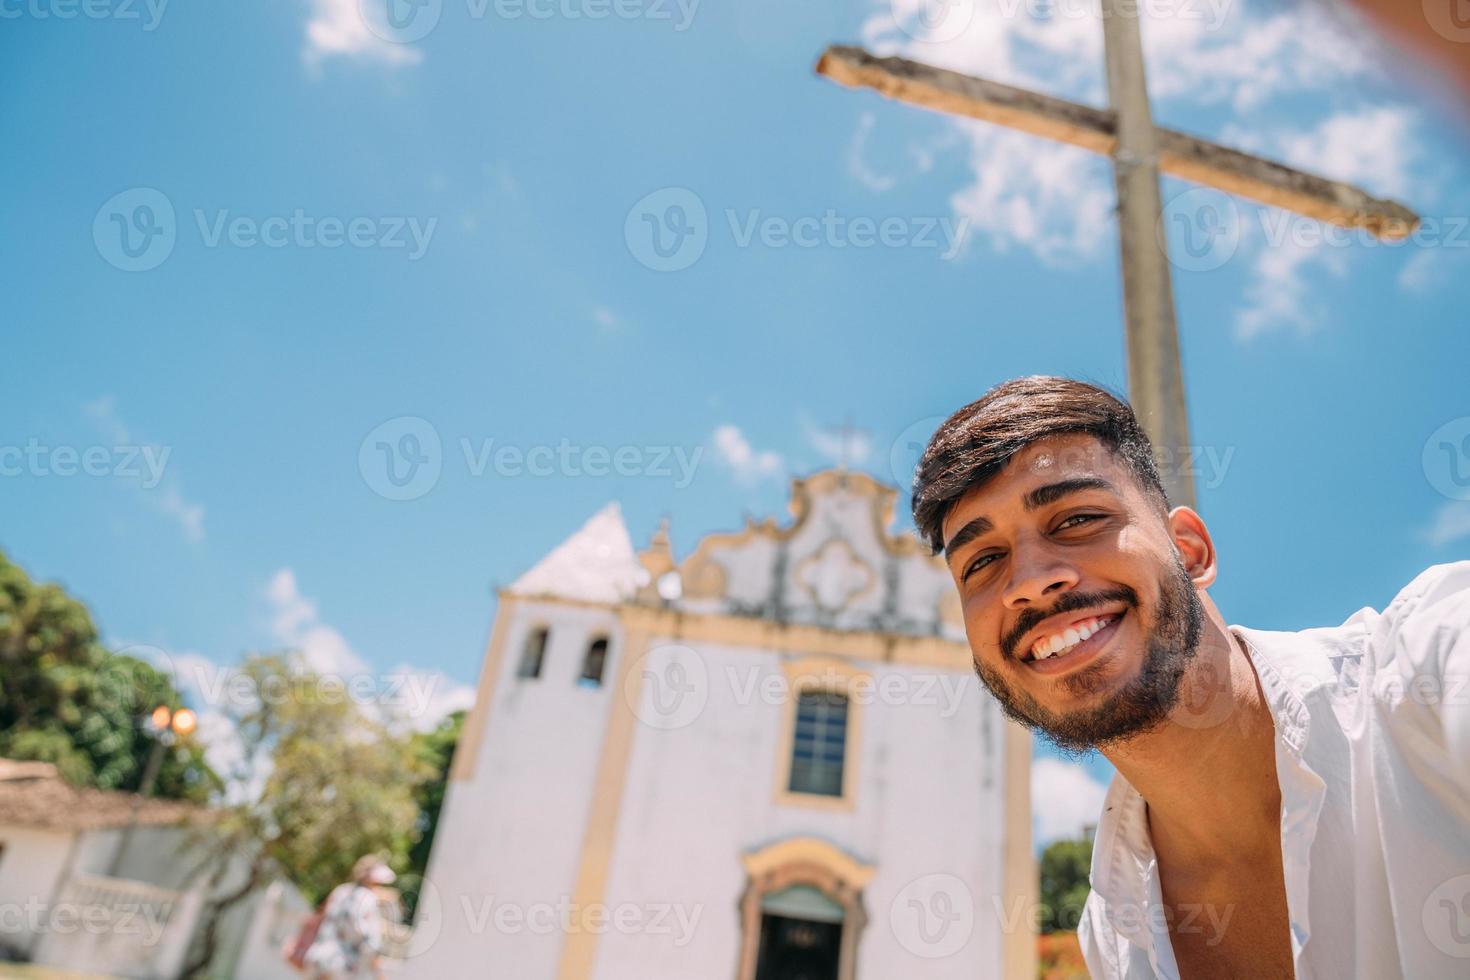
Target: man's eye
1077, 520
978, 564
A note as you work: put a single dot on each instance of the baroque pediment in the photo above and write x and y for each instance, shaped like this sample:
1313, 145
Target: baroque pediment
835, 564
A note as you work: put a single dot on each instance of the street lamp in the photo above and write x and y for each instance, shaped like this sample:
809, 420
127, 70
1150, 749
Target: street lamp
169, 725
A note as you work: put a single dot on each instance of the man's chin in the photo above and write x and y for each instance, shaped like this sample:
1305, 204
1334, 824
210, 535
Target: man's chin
1082, 711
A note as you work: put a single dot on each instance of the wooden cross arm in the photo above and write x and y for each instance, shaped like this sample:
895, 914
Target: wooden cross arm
1094, 129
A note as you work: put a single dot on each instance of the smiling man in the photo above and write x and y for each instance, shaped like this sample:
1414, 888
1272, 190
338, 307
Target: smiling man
1285, 803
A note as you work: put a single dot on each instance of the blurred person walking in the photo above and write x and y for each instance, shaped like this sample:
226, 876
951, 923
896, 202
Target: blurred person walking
350, 940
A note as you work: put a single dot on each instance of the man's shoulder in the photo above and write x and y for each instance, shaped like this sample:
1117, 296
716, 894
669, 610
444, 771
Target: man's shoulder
1414, 632
1406, 636
1438, 597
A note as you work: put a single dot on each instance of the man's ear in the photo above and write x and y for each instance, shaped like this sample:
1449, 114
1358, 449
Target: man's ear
1196, 548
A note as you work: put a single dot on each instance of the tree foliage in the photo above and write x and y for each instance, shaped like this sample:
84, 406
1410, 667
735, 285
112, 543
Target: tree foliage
334, 781
435, 749
319, 782
67, 700
1065, 865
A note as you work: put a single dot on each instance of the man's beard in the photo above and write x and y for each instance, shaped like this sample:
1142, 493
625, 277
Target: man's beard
1142, 703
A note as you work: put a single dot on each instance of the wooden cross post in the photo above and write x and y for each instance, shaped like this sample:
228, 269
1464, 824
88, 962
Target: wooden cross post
1140, 151
1155, 375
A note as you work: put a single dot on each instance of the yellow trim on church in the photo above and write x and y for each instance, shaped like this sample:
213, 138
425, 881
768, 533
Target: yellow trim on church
808, 850
467, 752
580, 947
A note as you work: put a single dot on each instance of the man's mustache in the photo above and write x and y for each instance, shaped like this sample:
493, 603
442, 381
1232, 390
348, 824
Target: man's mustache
1027, 618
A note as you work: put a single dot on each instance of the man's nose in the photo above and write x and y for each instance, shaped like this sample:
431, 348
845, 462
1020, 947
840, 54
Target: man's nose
1038, 575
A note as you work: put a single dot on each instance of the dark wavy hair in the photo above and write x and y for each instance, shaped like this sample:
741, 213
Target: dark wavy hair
976, 442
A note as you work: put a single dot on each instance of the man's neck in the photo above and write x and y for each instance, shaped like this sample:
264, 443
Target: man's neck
1208, 774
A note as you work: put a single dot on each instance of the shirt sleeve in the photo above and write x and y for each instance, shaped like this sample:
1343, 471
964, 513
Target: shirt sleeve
1427, 630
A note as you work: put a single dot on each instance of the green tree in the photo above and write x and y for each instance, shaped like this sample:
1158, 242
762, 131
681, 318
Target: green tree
435, 749
1065, 865
67, 700
320, 782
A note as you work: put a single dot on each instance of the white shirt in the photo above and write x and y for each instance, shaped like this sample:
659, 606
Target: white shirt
1373, 757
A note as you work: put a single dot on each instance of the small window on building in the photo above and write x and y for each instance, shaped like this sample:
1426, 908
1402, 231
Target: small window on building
820, 744
593, 663
533, 653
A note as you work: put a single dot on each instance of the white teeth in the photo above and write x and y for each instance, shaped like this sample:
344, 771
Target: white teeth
1068, 638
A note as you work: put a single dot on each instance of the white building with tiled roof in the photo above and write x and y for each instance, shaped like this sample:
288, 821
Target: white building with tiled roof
79, 893
770, 760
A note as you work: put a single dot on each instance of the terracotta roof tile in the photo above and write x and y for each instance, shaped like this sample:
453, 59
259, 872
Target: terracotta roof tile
33, 794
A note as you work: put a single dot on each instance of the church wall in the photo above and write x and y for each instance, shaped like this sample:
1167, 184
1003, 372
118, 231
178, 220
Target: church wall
508, 847
929, 800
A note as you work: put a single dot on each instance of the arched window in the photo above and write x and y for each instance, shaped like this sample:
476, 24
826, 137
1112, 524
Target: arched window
533, 653
819, 745
593, 663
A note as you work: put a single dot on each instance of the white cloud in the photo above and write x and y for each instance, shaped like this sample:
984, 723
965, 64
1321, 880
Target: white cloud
1057, 201
159, 488
857, 165
1279, 296
1245, 61
1430, 267
420, 697
736, 452
296, 624
337, 29
1451, 523
1373, 146
1418, 273
852, 447
1064, 800
607, 321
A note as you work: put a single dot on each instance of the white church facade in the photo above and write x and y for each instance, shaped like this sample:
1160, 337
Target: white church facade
770, 761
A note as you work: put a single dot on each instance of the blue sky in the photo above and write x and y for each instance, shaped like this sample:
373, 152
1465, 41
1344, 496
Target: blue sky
522, 150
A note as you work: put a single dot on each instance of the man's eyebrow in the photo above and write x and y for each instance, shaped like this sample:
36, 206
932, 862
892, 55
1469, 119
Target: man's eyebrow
1040, 497
966, 534
1052, 492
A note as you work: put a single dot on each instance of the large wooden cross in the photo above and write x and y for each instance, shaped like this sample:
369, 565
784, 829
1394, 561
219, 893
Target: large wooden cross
1139, 151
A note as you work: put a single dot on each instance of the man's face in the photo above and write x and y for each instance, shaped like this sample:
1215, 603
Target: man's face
1080, 616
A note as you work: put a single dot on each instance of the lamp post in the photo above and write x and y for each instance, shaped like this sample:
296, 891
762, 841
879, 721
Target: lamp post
169, 725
